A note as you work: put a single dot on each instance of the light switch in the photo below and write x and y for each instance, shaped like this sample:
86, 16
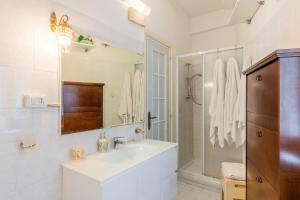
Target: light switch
34, 101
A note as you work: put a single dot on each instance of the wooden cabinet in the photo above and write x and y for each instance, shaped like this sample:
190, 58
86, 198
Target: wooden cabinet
257, 185
273, 127
82, 107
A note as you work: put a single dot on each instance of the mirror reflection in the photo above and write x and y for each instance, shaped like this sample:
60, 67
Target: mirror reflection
119, 71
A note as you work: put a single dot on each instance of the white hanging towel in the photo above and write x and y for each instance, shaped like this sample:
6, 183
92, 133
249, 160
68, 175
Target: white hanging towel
216, 107
125, 109
239, 125
138, 97
231, 96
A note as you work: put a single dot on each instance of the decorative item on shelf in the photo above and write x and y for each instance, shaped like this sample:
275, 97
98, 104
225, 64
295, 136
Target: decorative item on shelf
77, 153
138, 11
88, 40
83, 42
63, 29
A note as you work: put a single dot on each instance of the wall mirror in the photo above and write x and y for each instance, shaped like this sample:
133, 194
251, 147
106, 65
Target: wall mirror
102, 86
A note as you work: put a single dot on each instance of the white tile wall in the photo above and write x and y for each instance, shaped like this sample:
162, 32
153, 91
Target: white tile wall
29, 63
197, 112
36, 174
185, 120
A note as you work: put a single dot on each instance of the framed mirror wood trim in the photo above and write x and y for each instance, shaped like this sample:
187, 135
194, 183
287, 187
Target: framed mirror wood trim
82, 107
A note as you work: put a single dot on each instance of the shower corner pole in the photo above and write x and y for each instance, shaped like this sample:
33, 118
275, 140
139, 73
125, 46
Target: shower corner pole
203, 113
177, 100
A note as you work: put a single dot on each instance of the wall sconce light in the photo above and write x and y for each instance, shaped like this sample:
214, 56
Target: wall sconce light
63, 29
139, 6
137, 11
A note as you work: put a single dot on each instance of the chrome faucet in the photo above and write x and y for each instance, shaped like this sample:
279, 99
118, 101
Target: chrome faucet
116, 141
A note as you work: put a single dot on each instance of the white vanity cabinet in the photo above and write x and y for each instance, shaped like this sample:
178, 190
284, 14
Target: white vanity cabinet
122, 187
156, 176
149, 177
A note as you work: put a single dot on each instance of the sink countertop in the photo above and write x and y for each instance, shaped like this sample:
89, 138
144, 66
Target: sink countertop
104, 166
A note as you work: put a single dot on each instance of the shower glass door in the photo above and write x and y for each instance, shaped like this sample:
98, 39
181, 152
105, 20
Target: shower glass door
157, 90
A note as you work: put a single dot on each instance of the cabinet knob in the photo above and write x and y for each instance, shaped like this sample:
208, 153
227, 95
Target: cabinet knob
259, 134
259, 179
259, 78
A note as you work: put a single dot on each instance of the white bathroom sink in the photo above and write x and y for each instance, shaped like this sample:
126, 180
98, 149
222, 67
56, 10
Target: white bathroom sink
103, 166
129, 152
125, 173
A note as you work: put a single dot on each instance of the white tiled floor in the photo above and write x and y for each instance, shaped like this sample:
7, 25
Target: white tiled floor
187, 191
195, 166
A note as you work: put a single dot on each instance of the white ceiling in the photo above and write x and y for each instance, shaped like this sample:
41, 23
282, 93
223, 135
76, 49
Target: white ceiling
196, 8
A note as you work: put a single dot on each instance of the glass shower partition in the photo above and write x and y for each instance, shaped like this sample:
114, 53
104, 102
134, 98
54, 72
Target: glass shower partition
198, 157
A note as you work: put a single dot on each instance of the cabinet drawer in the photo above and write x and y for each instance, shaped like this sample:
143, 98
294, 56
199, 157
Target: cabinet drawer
258, 187
268, 122
263, 90
263, 151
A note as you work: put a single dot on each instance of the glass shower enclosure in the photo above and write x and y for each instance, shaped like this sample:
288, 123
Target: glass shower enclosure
199, 160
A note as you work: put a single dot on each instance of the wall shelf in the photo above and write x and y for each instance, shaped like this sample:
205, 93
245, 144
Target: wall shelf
85, 47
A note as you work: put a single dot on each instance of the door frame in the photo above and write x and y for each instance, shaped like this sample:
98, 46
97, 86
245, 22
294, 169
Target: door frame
170, 136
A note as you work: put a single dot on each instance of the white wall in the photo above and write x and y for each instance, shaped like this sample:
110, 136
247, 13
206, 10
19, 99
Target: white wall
29, 63
213, 39
210, 21
170, 24
275, 26
186, 137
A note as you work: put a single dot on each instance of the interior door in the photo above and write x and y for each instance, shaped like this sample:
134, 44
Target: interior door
158, 57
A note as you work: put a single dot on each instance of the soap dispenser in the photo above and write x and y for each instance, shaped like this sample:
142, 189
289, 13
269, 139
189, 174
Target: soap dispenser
102, 143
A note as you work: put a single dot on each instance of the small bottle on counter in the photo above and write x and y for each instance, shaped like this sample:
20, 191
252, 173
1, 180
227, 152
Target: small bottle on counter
102, 144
